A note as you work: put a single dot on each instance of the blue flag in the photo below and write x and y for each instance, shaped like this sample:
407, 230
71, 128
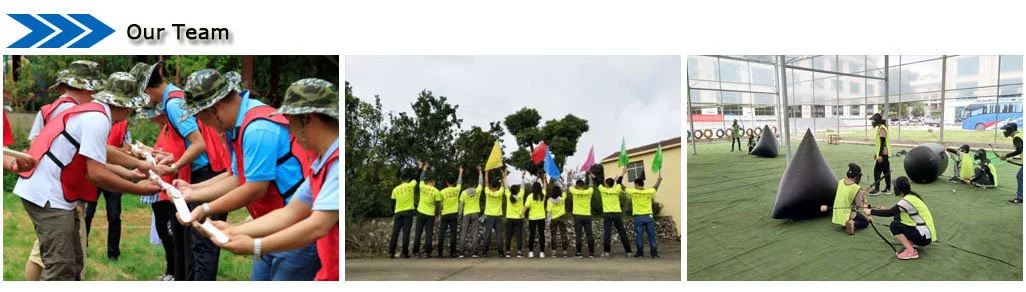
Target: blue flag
550, 165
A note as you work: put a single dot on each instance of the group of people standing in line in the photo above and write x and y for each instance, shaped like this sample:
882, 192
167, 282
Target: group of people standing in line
542, 202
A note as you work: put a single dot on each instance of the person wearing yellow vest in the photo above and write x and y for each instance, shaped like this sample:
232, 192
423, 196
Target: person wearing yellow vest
470, 209
881, 153
427, 214
403, 219
914, 226
450, 214
963, 164
535, 209
984, 174
641, 207
1011, 130
494, 196
581, 195
515, 217
612, 216
735, 136
849, 196
554, 216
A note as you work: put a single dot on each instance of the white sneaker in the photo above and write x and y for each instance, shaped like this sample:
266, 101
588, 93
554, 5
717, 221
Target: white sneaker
530, 254
541, 255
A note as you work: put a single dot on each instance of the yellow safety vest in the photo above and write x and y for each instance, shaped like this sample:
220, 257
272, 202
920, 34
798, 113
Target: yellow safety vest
922, 214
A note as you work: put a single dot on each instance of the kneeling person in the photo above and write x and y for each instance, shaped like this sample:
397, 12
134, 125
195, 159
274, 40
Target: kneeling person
850, 195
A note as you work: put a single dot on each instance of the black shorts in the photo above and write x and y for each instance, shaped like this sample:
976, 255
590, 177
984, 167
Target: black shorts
910, 232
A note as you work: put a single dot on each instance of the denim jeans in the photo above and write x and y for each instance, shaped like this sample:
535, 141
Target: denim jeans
1018, 193
645, 224
294, 265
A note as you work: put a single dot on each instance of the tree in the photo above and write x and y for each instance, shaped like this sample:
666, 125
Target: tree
427, 135
474, 146
561, 136
369, 175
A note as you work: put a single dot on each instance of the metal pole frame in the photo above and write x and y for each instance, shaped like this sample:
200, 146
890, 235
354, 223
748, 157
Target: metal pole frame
691, 120
782, 93
997, 100
944, 79
887, 86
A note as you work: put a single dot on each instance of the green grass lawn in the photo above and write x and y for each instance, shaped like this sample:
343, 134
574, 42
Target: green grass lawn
139, 259
732, 237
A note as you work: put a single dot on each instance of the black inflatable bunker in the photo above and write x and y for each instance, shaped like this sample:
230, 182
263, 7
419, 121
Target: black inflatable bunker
808, 183
767, 145
925, 163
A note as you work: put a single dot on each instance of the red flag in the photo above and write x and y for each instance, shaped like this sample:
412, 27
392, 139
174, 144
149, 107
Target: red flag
590, 161
539, 153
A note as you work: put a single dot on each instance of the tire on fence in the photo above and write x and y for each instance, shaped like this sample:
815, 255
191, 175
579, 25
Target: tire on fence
749, 132
698, 134
758, 131
730, 133
708, 133
775, 130
719, 133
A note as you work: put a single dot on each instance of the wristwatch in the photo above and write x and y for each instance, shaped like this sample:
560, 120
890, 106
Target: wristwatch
256, 247
206, 208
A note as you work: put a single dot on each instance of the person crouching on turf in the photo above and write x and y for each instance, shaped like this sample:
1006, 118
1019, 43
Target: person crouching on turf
751, 143
914, 226
849, 195
984, 174
450, 214
963, 164
1011, 130
311, 217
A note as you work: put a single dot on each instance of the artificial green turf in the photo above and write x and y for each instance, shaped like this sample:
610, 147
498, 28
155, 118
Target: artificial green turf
732, 237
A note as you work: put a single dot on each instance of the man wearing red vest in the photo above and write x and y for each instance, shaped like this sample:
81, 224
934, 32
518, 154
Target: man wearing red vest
77, 84
72, 152
311, 106
201, 156
268, 165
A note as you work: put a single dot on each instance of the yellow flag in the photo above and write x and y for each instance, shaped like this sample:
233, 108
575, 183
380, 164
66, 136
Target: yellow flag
494, 159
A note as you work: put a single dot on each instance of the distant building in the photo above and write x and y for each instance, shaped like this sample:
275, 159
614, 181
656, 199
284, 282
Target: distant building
640, 165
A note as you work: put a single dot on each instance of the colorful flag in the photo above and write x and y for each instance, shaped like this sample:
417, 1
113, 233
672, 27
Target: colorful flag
623, 153
550, 165
657, 162
539, 152
590, 161
494, 159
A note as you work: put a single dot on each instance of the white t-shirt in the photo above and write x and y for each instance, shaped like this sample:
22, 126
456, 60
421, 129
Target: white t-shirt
90, 130
37, 124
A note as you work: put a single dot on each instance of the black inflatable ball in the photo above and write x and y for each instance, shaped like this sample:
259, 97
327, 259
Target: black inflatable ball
925, 163
767, 145
808, 183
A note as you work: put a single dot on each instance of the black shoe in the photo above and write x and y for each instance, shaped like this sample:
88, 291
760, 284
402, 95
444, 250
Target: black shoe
655, 256
1015, 201
639, 254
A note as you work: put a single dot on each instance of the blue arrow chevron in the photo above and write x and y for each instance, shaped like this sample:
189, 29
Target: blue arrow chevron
99, 32
38, 30
68, 31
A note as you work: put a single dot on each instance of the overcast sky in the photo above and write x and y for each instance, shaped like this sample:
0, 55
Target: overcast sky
634, 97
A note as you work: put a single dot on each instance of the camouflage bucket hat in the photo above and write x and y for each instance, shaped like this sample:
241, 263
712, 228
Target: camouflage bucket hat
206, 87
142, 73
60, 75
310, 95
83, 75
148, 111
121, 90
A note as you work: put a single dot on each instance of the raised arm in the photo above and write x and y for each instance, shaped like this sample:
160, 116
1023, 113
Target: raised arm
659, 180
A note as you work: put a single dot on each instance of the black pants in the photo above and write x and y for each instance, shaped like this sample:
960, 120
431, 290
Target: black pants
162, 212
559, 236
401, 222
447, 226
425, 224
910, 232
860, 221
738, 140
492, 223
205, 254
536, 226
882, 168
583, 222
113, 202
515, 227
614, 220
181, 236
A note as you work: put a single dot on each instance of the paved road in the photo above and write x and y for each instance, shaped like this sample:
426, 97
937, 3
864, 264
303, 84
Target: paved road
617, 267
